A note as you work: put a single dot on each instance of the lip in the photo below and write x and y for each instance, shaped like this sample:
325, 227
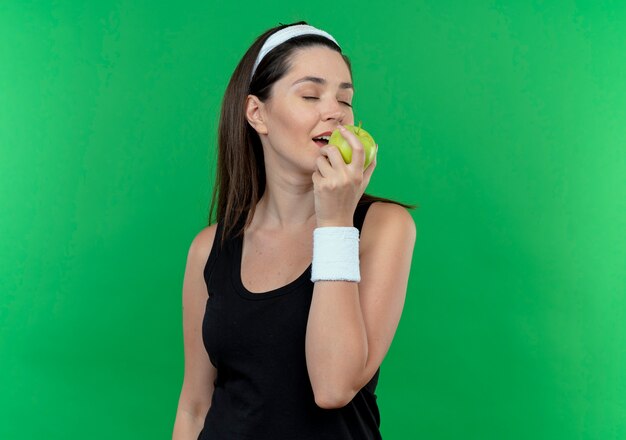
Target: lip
326, 133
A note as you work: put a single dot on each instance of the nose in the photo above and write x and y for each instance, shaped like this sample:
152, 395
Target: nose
335, 111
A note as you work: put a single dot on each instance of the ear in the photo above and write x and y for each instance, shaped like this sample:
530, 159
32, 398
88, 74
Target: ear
254, 114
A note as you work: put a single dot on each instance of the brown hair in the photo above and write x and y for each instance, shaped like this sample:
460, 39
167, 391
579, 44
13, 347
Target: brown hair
240, 176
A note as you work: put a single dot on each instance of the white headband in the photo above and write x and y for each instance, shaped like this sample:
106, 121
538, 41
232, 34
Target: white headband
285, 34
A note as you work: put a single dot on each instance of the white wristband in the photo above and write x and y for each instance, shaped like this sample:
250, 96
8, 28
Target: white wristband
336, 254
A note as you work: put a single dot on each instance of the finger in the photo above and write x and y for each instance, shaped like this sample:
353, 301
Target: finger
316, 178
358, 152
334, 156
323, 165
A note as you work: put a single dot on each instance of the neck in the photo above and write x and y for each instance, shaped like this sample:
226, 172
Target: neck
288, 202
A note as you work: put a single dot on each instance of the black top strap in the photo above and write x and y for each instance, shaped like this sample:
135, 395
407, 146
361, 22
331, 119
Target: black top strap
359, 214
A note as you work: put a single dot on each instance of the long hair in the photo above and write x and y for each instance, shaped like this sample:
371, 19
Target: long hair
240, 175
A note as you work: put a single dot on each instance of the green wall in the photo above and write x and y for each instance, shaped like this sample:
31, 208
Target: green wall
504, 121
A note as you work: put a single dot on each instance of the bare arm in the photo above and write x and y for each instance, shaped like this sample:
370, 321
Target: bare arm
351, 325
199, 375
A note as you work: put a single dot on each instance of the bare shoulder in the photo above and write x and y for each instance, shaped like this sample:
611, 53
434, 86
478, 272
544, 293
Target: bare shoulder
202, 243
387, 211
384, 219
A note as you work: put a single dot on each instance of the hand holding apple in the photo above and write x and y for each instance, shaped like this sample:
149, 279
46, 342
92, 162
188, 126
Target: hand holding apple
339, 182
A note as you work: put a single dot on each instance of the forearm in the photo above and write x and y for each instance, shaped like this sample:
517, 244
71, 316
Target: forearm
336, 342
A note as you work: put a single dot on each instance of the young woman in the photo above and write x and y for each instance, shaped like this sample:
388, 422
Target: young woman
292, 298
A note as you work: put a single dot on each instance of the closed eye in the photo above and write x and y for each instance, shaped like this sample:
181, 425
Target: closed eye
313, 97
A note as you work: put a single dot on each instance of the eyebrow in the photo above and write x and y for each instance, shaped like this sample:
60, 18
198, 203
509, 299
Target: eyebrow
317, 80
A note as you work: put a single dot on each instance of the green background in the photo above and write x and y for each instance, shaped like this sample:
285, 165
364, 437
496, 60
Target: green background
504, 121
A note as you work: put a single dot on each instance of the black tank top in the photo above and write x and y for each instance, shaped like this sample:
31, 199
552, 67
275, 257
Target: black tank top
257, 343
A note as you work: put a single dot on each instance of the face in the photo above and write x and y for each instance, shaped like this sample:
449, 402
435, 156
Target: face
300, 109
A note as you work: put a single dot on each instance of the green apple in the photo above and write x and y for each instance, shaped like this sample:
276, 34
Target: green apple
369, 145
